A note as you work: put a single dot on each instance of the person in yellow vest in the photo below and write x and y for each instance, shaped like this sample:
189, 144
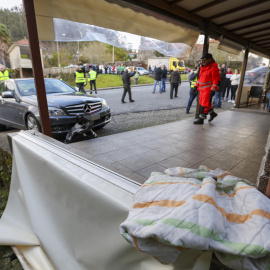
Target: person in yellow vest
92, 80
193, 90
80, 79
4, 74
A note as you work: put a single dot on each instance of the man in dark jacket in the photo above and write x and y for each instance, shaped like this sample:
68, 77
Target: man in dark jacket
158, 75
175, 81
221, 89
126, 81
164, 78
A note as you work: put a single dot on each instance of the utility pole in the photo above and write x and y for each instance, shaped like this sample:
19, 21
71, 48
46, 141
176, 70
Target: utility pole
59, 64
113, 54
78, 52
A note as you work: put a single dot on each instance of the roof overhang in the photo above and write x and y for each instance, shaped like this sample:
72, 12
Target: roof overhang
117, 16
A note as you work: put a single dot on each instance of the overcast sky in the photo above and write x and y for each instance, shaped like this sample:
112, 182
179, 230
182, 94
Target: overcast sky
10, 3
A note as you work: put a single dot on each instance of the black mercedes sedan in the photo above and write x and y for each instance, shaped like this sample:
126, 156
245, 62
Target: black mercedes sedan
19, 106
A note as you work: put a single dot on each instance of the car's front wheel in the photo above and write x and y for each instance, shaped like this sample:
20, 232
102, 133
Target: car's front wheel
32, 123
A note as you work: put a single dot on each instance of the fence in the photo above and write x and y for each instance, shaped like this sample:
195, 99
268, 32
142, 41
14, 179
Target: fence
55, 70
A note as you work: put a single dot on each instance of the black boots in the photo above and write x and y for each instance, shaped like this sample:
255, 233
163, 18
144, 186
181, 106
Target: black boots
212, 116
199, 121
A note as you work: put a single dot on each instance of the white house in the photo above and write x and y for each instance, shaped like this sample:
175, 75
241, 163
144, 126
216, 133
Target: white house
20, 57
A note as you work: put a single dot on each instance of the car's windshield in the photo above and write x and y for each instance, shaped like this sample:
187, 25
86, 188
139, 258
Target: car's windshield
259, 69
28, 88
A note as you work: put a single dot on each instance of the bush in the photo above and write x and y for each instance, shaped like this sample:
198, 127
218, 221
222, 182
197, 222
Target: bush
5, 169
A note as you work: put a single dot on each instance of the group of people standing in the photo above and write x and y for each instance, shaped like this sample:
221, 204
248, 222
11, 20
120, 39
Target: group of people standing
82, 74
160, 77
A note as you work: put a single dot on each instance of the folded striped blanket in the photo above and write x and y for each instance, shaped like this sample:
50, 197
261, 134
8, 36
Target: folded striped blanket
201, 209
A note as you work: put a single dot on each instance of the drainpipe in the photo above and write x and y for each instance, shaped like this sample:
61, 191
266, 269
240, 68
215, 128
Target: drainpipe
205, 50
37, 66
242, 77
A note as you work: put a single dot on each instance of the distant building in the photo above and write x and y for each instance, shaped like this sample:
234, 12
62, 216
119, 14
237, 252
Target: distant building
20, 57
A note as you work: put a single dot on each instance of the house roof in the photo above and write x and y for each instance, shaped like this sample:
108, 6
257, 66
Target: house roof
23, 43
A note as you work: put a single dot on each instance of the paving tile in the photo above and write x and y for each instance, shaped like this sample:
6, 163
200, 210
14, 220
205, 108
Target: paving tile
136, 163
174, 162
155, 155
152, 144
137, 149
146, 172
170, 149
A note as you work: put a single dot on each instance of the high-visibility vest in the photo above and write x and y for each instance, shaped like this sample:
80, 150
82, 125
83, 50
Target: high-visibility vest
194, 81
4, 76
92, 75
80, 77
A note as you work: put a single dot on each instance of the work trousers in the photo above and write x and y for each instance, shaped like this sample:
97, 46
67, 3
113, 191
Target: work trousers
81, 87
127, 89
93, 84
174, 88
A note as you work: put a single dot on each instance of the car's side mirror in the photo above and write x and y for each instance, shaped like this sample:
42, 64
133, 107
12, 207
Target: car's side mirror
8, 94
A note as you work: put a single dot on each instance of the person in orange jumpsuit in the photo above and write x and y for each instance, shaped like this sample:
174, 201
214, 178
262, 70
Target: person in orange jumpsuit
207, 84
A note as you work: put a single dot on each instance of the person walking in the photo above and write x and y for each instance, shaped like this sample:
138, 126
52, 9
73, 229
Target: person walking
92, 80
136, 76
164, 78
207, 84
229, 74
157, 79
175, 81
4, 73
149, 69
80, 79
234, 84
126, 81
153, 70
221, 89
193, 90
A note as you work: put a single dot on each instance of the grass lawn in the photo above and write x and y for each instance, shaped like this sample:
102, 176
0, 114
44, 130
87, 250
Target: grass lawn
110, 80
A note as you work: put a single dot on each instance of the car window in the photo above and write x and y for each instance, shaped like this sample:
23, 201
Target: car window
2, 87
28, 88
10, 86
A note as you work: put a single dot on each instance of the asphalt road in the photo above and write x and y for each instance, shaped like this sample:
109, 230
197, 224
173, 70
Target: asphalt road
145, 101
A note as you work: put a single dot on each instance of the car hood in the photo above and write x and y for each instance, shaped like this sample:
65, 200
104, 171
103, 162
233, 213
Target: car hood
63, 100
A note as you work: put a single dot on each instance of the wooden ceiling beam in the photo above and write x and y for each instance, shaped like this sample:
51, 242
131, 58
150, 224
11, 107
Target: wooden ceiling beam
250, 25
233, 10
264, 41
259, 36
209, 5
261, 13
164, 10
255, 31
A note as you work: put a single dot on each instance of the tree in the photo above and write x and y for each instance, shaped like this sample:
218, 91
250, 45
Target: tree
5, 39
158, 54
119, 54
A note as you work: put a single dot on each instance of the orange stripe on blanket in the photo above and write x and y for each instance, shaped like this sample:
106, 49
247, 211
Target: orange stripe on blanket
170, 183
136, 243
233, 194
162, 203
223, 175
236, 218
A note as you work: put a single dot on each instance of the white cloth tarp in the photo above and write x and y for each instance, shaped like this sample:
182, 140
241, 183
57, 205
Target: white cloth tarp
68, 31
64, 213
201, 209
112, 16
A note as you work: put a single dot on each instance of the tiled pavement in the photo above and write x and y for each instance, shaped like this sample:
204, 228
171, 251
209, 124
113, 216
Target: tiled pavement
234, 141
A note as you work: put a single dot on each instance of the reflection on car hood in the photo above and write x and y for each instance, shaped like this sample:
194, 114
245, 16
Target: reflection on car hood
63, 100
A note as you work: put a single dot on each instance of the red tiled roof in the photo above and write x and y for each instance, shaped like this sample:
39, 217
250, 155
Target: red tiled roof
24, 42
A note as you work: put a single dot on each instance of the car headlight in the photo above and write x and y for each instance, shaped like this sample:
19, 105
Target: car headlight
56, 112
104, 104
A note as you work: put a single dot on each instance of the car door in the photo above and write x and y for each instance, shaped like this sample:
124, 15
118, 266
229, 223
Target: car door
12, 108
2, 89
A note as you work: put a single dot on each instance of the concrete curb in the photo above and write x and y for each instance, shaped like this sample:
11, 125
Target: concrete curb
115, 87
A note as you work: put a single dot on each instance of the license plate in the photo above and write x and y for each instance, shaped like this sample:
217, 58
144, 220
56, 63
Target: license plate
92, 117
